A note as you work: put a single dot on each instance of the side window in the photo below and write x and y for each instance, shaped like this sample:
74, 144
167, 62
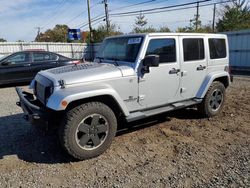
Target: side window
41, 56
193, 49
165, 48
18, 58
38, 57
53, 57
217, 48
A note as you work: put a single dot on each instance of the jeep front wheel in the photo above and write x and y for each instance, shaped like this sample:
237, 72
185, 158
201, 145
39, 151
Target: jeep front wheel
88, 130
213, 100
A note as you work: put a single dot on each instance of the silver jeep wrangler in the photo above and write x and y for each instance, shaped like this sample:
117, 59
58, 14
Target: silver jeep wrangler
132, 77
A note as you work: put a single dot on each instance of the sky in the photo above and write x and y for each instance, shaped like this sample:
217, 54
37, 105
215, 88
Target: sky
19, 19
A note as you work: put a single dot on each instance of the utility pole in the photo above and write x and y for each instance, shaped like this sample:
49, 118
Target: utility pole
38, 32
106, 14
90, 27
214, 17
90, 31
197, 16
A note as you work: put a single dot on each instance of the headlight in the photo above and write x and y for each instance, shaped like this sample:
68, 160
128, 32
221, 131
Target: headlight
32, 84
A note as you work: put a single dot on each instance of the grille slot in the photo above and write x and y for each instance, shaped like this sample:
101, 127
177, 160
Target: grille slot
40, 91
73, 68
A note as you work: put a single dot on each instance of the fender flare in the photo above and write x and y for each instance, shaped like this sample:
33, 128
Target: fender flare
72, 94
208, 81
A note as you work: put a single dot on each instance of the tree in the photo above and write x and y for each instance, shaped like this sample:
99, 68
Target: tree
192, 27
140, 26
57, 34
235, 16
140, 23
101, 32
2, 40
164, 29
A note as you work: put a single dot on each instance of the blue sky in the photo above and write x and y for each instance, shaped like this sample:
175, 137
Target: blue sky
19, 18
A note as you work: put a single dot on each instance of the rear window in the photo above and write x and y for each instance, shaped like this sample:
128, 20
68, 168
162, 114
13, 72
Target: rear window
193, 49
217, 48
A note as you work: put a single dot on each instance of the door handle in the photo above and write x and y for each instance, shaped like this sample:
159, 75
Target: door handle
200, 68
174, 71
26, 65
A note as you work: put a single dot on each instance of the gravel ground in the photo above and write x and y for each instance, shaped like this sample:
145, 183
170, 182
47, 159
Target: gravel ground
177, 149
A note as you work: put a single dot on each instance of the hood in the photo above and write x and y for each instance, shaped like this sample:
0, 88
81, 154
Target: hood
86, 72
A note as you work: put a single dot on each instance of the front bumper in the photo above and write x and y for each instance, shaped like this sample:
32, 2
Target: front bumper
34, 111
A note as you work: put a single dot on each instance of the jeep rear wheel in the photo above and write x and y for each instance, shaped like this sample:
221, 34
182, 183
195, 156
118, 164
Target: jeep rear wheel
213, 101
88, 130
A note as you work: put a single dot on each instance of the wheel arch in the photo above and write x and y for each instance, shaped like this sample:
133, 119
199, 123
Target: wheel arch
108, 100
222, 77
73, 96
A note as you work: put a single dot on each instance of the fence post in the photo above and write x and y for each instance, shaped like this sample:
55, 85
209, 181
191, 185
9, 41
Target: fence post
47, 46
72, 50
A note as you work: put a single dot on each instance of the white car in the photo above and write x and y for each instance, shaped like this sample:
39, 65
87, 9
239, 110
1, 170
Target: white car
133, 77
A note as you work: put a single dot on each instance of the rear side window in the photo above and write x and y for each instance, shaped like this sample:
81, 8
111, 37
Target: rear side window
41, 56
165, 48
217, 48
193, 49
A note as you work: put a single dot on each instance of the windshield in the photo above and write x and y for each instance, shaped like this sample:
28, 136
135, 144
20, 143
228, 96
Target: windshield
120, 49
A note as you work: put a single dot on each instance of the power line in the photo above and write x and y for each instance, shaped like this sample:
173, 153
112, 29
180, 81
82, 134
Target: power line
81, 13
158, 8
60, 6
144, 2
101, 16
176, 9
136, 4
92, 20
98, 17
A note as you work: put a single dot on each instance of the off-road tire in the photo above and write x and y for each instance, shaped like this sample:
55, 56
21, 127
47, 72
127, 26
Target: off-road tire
204, 107
70, 126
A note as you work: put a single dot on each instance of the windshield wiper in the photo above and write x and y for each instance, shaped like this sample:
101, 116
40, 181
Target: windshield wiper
115, 60
100, 58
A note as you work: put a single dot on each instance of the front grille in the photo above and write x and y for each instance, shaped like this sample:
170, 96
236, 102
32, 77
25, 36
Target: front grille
40, 92
43, 88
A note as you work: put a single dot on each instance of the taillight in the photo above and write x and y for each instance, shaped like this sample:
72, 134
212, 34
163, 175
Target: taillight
227, 69
76, 62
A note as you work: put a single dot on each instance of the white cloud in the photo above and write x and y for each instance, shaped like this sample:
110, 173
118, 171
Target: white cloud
9, 6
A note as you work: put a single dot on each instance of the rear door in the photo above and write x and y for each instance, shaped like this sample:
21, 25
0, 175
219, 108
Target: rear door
43, 61
193, 64
16, 68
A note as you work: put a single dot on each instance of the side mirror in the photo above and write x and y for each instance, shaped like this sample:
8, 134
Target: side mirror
150, 61
5, 63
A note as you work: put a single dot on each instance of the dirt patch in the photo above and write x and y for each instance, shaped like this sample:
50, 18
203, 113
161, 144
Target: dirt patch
177, 149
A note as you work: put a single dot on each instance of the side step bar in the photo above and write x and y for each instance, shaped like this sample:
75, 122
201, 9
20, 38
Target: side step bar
150, 112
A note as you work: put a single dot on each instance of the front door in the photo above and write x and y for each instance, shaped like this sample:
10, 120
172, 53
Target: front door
16, 68
161, 85
193, 65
